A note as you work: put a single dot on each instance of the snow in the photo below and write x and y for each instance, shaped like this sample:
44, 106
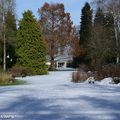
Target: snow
90, 80
65, 69
106, 81
55, 97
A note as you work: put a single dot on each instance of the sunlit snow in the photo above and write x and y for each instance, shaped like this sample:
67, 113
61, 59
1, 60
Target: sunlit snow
55, 97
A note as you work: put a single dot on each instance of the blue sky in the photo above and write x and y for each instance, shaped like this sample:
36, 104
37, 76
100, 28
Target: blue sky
72, 6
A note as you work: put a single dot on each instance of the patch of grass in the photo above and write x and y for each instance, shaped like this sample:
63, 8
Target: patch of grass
6, 79
15, 82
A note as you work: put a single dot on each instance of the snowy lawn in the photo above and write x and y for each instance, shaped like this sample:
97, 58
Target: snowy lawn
54, 97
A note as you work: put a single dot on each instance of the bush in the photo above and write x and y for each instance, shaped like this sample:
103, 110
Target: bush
111, 70
5, 78
84, 67
91, 80
19, 71
116, 80
79, 76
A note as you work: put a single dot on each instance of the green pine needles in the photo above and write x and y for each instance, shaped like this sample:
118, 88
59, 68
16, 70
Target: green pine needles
31, 48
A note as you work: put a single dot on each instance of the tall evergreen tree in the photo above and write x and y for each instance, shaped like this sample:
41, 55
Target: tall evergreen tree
97, 45
110, 37
113, 7
85, 27
6, 6
10, 31
31, 48
86, 24
102, 44
99, 19
1, 54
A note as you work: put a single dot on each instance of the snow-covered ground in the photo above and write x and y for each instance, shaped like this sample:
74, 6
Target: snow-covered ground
54, 97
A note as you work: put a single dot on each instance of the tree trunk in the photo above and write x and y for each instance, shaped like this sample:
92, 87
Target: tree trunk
4, 57
4, 41
117, 42
52, 65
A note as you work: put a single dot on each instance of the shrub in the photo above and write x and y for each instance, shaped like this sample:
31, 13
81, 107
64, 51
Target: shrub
110, 70
84, 67
116, 80
91, 80
19, 71
79, 76
5, 78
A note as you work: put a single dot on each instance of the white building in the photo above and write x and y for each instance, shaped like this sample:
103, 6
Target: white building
62, 60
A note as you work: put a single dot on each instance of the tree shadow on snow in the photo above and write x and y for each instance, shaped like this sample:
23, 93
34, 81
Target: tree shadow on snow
28, 108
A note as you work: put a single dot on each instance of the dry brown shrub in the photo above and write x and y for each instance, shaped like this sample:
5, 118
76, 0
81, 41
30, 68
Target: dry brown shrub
79, 76
5, 78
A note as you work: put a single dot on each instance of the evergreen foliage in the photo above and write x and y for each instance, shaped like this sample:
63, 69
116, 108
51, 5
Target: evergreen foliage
99, 19
102, 44
97, 44
86, 25
7, 33
31, 50
10, 32
0, 54
110, 37
85, 31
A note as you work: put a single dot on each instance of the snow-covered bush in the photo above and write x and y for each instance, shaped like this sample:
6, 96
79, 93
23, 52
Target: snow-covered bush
91, 80
116, 80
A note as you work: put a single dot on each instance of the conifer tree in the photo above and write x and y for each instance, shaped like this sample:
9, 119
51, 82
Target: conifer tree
86, 24
7, 31
99, 19
31, 48
97, 45
112, 7
10, 31
110, 37
102, 44
1, 54
85, 27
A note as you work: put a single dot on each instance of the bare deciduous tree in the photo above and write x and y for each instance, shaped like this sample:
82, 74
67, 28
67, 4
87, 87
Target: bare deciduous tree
56, 28
75, 46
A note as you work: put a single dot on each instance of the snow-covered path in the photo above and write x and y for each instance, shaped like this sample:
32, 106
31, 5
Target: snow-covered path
54, 97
